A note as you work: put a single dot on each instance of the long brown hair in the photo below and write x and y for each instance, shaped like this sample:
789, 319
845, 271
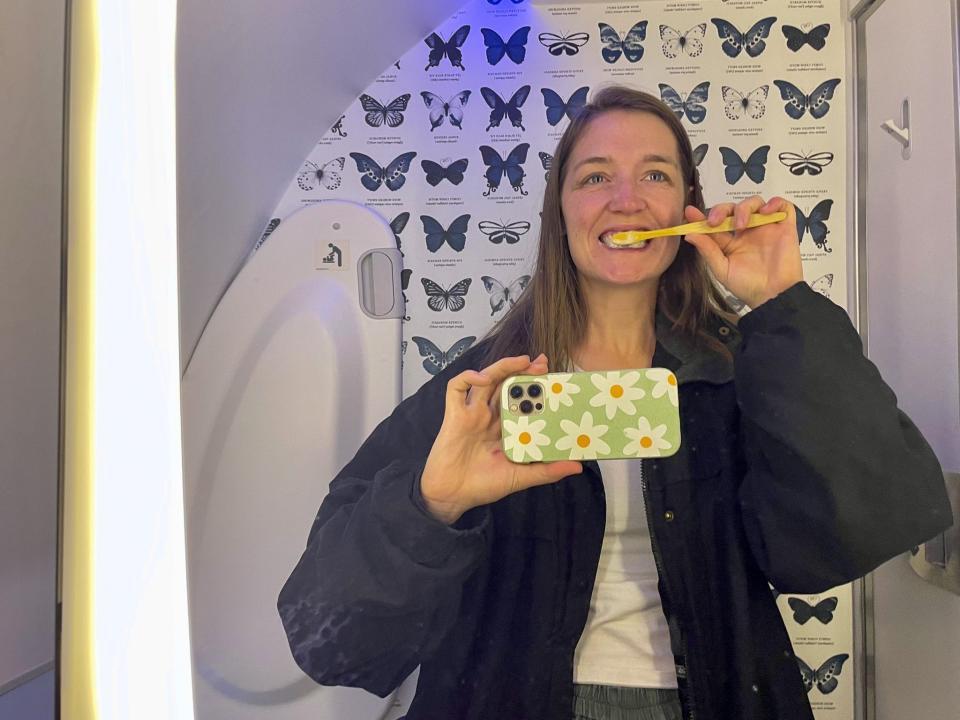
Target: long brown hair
551, 315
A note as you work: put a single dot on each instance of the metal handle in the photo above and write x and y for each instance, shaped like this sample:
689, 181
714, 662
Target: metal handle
901, 134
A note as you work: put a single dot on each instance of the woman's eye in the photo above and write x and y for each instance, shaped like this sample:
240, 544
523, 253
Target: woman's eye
657, 176
593, 179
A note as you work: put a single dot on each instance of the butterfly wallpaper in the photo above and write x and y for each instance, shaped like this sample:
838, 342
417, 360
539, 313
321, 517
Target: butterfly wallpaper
453, 143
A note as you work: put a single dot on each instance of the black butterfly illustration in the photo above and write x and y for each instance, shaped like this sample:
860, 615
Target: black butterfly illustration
822, 611
825, 677
515, 48
510, 108
563, 44
797, 38
372, 175
799, 102
439, 299
378, 114
690, 42
404, 284
692, 105
271, 226
755, 166
557, 108
437, 359
498, 167
503, 296
546, 159
440, 108
450, 48
329, 174
436, 173
397, 225
629, 46
815, 223
497, 232
823, 284
812, 164
737, 104
753, 40
436, 235
338, 127
699, 153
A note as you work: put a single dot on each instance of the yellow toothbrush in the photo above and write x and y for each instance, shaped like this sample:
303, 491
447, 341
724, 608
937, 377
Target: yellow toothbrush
635, 237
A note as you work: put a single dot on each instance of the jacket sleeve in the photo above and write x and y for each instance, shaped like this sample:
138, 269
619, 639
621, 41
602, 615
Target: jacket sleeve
838, 479
379, 583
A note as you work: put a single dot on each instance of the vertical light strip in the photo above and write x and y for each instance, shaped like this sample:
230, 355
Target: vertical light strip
124, 492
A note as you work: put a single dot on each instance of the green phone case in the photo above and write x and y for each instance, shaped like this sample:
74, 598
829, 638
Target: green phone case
590, 415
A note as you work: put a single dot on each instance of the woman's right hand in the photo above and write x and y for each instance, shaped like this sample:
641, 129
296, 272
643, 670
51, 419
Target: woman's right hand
466, 467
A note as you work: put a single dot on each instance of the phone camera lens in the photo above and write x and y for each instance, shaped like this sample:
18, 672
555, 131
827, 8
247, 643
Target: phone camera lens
516, 392
534, 391
526, 407
539, 406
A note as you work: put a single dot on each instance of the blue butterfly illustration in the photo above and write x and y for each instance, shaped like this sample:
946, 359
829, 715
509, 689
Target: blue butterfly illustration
436, 172
692, 105
797, 38
450, 48
754, 166
752, 40
629, 46
515, 48
397, 225
822, 611
557, 108
436, 359
497, 2
502, 296
439, 299
699, 153
815, 223
510, 108
798, 102
455, 236
825, 677
497, 232
378, 114
372, 175
563, 44
512, 167
440, 108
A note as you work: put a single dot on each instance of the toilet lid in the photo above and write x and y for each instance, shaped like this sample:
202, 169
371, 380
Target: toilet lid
289, 377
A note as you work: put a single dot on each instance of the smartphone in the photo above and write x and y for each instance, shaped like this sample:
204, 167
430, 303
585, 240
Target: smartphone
590, 415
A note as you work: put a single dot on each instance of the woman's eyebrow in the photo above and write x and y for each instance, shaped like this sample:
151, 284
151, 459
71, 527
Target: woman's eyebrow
604, 160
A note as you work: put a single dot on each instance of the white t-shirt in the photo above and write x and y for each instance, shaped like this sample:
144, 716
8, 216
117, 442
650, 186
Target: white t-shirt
626, 641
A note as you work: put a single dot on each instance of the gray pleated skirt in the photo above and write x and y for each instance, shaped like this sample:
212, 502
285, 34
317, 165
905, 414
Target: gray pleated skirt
611, 702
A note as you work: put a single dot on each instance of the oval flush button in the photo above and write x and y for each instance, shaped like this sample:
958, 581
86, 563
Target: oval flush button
379, 277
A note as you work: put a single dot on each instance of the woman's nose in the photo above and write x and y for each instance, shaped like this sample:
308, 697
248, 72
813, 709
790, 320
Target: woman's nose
627, 197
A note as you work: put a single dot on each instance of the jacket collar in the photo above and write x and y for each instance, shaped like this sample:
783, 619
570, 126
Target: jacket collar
690, 360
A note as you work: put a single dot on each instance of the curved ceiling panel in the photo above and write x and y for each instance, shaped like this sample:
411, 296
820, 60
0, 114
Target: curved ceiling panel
257, 84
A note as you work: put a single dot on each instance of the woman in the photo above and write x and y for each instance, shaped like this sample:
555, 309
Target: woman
526, 591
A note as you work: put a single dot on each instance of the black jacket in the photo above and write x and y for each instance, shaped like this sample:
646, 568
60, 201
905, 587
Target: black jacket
795, 468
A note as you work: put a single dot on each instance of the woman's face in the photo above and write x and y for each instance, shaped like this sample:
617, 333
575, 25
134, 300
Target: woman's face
623, 174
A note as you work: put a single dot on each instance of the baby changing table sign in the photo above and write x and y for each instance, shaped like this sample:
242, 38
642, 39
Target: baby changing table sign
332, 254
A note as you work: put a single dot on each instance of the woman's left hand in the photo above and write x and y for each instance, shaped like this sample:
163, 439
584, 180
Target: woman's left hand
755, 264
